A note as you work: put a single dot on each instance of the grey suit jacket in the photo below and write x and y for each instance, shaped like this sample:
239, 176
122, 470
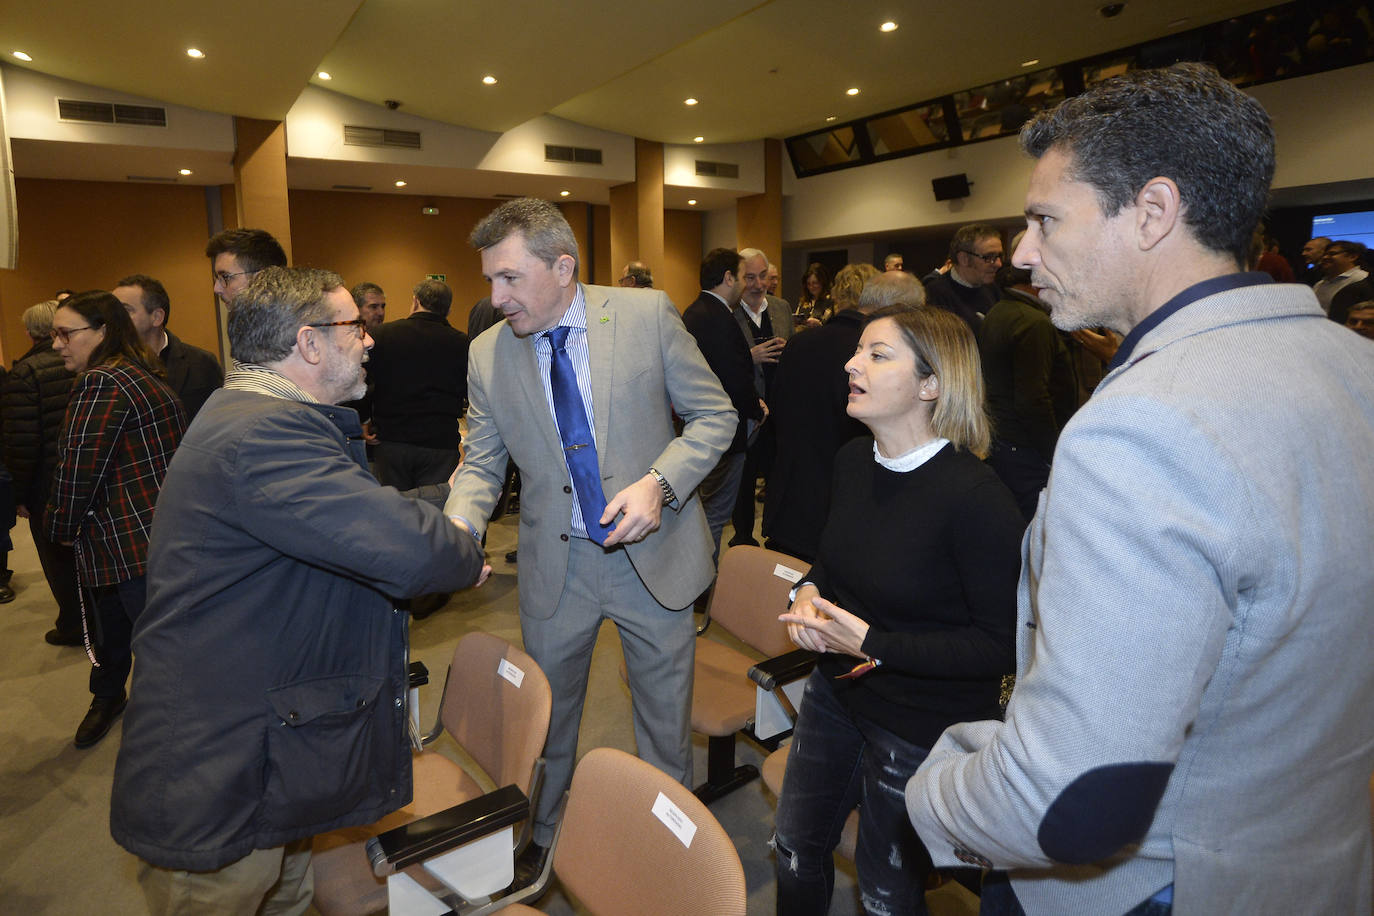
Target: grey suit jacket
644, 366
1195, 612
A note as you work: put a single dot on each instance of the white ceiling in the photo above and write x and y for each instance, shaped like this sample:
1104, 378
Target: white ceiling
769, 69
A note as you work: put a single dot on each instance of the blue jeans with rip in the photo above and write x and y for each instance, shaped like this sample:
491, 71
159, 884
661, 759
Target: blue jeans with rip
839, 761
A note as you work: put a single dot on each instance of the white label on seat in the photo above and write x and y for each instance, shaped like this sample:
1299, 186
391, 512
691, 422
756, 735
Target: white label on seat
510, 672
788, 573
675, 820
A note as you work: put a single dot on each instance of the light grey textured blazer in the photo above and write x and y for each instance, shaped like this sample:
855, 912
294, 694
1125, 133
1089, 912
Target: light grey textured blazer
1196, 602
644, 365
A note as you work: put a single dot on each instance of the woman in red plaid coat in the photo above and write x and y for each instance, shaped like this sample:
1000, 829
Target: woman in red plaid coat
122, 426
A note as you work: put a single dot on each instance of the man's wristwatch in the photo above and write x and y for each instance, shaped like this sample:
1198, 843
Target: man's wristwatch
668, 495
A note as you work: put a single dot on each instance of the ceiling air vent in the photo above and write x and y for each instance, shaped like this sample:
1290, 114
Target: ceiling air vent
88, 112
381, 136
579, 154
507, 196
353, 187
160, 178
717, 169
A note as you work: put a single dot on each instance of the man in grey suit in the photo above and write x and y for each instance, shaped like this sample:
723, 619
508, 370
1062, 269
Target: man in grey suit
578, 388
1190, 729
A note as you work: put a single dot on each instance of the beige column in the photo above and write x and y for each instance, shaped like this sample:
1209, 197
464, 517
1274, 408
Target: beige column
637, 212
260, 178
758, 217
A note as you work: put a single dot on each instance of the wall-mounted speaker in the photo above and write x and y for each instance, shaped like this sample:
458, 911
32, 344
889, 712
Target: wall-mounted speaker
950, 187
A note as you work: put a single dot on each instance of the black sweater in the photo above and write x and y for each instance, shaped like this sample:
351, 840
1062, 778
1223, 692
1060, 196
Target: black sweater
930, 560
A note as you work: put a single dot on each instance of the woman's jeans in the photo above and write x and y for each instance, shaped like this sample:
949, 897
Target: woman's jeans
839, 761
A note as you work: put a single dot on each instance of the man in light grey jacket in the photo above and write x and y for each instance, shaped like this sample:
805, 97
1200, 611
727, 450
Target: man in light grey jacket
1190, 727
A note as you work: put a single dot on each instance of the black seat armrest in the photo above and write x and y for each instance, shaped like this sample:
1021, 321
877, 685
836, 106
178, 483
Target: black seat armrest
772, 673
419, 675
429, 836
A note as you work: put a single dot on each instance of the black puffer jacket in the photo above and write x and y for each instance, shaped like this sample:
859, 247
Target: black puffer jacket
34, 401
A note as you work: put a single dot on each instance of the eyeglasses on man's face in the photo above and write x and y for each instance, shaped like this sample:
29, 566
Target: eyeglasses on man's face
359, 323
65, 334
989, 258
224, 276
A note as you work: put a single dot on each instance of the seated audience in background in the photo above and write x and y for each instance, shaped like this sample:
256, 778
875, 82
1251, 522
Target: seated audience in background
911, 600
892, 262
637, 274
1031, 387
808, 412
1340, 264
192, 373
270, 707
966, 289
1361, 319
122, 425
237, 255
33, 403
814, 305
1190, 729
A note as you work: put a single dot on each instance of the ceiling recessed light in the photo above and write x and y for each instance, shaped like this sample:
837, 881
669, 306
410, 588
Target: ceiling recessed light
324, 75
888, 26
21, 55
692, 202
698, 139
195, 53
689, 101
852, 90
489, 80
1030, 63
184, 172
400, 183
564, 193
829, 119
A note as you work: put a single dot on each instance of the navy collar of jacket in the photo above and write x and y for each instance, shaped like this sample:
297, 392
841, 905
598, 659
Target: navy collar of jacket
1188, 296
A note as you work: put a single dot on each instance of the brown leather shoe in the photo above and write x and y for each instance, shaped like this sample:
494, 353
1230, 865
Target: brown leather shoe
99, 718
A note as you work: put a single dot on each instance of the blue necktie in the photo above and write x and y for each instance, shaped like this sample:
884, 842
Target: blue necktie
579, 446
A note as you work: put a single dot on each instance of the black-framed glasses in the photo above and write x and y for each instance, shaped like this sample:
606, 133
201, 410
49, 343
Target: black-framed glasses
991, 258
359, 323
65, 334
224, 276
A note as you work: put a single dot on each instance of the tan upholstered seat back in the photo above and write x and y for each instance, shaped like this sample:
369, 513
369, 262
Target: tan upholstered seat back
749, 596
619, 859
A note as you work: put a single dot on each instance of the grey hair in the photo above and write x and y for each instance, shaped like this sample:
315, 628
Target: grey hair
746, 254
38, 319
546, 232
267, 315
359, 292
890, 289
433, 296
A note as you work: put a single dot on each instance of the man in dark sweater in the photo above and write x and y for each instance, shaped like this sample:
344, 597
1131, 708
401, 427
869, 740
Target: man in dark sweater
967, 288
34, 402
419, 371
710, 321
1031, 388
809, 417
192, 373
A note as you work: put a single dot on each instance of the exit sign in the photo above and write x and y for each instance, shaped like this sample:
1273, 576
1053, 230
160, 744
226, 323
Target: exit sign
442, 278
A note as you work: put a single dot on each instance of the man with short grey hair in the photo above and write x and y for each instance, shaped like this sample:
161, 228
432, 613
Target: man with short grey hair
1190, 729
268, 702
578, 387
638, 275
